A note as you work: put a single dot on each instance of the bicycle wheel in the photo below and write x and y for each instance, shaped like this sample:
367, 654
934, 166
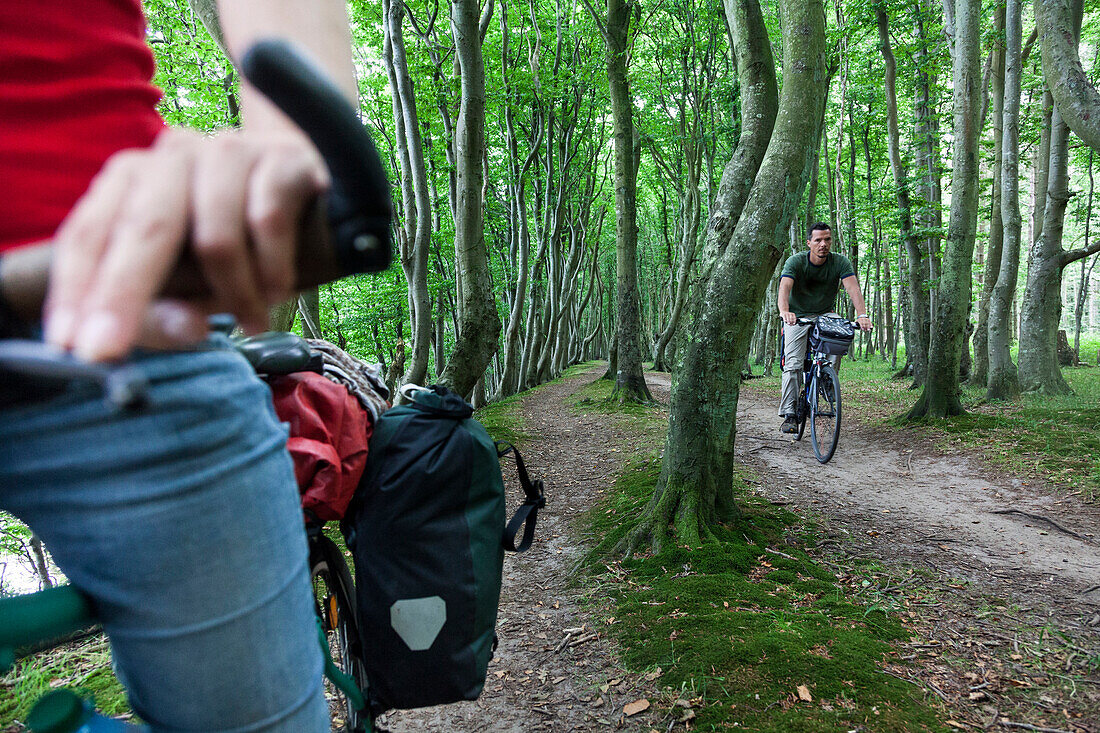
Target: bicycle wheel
334, 602
802, 407
825, 414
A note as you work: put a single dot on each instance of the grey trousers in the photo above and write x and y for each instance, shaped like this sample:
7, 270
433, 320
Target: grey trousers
794, 353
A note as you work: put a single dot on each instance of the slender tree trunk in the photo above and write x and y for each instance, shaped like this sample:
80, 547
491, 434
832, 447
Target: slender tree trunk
513, 344
1002, 382
309, 307
415, 239
41, 566
941, 391
979, 374
480, 325
916, 337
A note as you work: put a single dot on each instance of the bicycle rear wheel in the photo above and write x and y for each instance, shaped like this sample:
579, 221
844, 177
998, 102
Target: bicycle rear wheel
825, 414
334, 602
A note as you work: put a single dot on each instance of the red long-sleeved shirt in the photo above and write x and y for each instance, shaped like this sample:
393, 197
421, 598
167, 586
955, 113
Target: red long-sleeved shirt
75, 87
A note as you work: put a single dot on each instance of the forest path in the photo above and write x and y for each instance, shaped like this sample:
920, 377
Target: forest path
906, 500
553, 669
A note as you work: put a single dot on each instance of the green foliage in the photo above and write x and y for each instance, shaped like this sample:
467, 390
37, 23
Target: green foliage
193, 73
741, 625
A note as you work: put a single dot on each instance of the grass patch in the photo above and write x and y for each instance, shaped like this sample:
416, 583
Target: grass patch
742, 627
503, 420
648, 422
84, 666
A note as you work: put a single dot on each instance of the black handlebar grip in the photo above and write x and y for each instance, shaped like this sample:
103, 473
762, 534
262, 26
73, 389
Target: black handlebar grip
359, 207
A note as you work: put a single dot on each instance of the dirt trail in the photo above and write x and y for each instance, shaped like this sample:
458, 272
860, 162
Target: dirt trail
553, 667
910, 501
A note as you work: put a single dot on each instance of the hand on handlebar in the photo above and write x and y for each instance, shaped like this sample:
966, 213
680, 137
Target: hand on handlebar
864, 323
239, 195
196, 224
789, 318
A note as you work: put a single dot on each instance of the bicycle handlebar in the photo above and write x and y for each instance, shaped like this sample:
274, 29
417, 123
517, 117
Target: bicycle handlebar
812, 321
346, 232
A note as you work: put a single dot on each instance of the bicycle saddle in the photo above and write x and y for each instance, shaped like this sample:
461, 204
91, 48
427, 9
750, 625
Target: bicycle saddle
275, 352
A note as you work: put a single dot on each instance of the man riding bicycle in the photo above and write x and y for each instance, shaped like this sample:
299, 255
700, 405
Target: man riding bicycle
808, 289
182, 521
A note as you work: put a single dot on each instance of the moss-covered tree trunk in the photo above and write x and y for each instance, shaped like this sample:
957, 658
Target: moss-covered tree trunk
941, 388
629, 380
479, 324
1041, 308
695, 489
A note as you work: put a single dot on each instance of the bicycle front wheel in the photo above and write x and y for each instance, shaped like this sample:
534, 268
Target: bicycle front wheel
802, 408
334, 601
825, 414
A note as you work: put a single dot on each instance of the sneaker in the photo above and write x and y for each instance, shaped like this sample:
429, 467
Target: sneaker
790, 425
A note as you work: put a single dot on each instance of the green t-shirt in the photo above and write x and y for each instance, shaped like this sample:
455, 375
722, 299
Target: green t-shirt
815, 286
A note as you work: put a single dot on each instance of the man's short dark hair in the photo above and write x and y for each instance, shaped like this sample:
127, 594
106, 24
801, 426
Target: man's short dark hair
818, 227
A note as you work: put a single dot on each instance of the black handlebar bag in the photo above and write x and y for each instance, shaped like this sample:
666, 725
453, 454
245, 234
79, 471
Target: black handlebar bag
832, 336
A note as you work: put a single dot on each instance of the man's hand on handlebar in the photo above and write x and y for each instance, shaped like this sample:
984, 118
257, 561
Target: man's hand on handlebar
236, 200
789, 318
864, 323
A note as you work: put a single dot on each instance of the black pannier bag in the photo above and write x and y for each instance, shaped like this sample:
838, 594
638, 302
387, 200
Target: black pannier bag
427, 531
832, 336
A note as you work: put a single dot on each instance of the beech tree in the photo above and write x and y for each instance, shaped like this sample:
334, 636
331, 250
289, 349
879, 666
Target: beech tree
616, 30
479, 323
695, 489
1002, 381
941, 387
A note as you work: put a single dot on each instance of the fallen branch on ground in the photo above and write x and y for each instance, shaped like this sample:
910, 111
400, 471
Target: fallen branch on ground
1041, 518
1028, 726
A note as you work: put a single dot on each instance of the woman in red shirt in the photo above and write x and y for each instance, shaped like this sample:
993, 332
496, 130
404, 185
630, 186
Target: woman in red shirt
182, 521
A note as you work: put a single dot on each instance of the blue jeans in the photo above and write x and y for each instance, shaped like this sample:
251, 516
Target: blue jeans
182, 522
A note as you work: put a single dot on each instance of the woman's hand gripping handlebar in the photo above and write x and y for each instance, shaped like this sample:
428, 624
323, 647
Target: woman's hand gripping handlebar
347, 230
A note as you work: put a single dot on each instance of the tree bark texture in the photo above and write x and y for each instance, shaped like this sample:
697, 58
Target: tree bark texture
1059, 25
1002, 382
941, 391
695, 489
480, 324
979, 374
629, 380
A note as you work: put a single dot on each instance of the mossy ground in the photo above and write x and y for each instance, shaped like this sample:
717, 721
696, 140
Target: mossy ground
503, 420
1055, 439
740, 624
